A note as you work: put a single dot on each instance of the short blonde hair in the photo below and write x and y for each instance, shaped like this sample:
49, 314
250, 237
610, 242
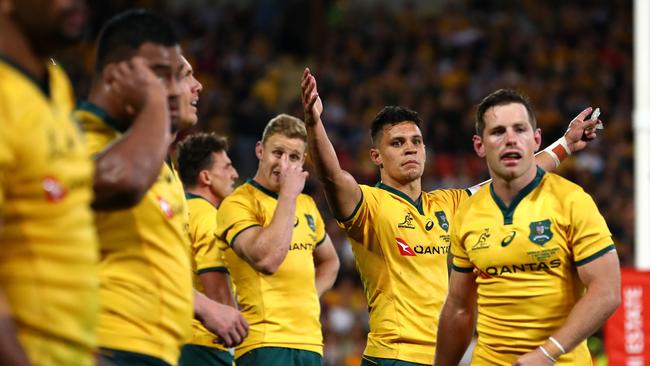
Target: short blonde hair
286, 125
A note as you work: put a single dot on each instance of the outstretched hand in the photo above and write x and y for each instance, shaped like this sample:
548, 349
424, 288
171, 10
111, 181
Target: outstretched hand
311, 102
581, 130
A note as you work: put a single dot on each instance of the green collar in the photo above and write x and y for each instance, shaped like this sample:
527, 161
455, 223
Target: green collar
190, 195
102, 114
417, 204
265, 190
42, 84
509, 211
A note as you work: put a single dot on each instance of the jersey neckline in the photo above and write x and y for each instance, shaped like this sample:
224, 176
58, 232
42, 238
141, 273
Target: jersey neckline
102, 114
42, 85
417, 204
260, 187
509, 211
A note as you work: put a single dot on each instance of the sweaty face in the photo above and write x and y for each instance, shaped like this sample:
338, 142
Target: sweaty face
190, 89
270, 154
508, 142
50, 24
400, 153
165, 63
222, 175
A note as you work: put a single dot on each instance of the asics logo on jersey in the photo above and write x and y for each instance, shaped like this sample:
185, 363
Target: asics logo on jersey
508, 239
407, 223
429, 225
404, 248
482, 243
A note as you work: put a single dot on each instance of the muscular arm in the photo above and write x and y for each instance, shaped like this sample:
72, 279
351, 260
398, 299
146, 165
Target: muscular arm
327, 265
341, 189
126, 169
222, 320
602, 277
456, 326
265, 248
11, 352
216, 285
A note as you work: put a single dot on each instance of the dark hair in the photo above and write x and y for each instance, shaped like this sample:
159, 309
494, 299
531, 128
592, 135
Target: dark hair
195, 154
392, 115
123, 34
498, 98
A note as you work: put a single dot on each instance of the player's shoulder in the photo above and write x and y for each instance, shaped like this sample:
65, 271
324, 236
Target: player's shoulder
562, 188
197, 203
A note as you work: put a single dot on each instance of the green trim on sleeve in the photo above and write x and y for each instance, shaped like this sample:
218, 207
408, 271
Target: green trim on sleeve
462, 269
212, 269
241, 231
596, 255
354, 213
321, 241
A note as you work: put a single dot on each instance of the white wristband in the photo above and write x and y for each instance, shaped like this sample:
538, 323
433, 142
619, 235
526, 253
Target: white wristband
558, 150
548, 355
557, 344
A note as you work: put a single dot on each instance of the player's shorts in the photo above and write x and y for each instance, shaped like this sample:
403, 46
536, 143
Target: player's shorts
279, 356
376, 361
195, 355
125, 358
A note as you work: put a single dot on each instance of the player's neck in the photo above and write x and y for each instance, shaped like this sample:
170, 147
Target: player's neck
507, 189
16, 46
412, 189
207, 194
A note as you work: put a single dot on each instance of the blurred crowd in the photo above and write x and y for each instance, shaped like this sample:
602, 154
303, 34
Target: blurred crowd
438, 58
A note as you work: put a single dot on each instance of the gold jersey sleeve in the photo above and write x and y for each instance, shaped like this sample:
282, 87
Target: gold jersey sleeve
48, 244
207, 256
145, 268
282, 309
525, 256
400, 248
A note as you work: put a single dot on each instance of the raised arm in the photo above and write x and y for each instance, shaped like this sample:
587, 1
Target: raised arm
341, 189
456, 325
602, 277
327, 265
581, 130
265, 248
125, 170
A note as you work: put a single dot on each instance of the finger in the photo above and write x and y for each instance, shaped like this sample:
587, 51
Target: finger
582, 115
236, 338
241, 330
244, 323
284, 163
227, 340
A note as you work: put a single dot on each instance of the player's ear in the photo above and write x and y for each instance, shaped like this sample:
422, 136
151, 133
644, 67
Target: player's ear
538, 138
258, 150
375, 156
479, 148
107, 73
204, 178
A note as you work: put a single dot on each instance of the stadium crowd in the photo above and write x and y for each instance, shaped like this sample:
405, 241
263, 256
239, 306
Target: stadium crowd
439, 60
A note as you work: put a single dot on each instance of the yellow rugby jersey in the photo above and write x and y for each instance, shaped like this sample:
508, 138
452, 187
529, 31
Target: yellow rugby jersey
282, 309
400, 248
207, 256
47, 236
145, 270
526, 256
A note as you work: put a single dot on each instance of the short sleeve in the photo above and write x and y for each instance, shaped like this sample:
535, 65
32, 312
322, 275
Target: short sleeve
205, 249
461, 262
589, 236
236, 214
358, 225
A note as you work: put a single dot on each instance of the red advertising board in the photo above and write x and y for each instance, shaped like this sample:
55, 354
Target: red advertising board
627, 332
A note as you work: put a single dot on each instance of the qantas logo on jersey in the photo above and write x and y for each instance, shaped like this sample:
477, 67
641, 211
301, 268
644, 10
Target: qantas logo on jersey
54, 190
406, 250
520, 268
166, 207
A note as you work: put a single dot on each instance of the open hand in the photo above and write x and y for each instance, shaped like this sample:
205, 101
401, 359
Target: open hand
311, 102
